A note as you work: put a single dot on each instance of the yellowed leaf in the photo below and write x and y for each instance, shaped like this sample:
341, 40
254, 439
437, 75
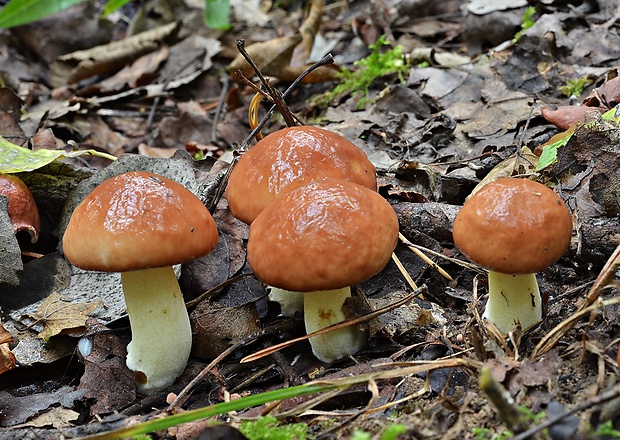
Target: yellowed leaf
59, 315
518, 164
7, 358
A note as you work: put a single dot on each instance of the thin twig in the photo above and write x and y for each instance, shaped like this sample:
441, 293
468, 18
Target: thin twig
424, 258
327, 59
404, 272
604, 280
271, 91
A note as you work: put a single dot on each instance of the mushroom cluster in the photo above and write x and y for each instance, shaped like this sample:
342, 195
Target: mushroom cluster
317, 226
140, 224
287, 159
515, 228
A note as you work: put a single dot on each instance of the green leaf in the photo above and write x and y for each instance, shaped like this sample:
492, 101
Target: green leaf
18, 12
112, 6
613, 114
16, 159
217, 13
549, 153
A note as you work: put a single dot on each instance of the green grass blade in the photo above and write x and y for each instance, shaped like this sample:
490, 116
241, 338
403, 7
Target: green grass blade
18, 12
112, 6
213, 410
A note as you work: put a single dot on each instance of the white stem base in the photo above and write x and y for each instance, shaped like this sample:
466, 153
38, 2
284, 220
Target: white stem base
322, 309
290, 302
160, 329
512, 299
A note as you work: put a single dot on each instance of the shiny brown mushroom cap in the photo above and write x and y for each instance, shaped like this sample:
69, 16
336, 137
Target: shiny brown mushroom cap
22, 208
513, 226
288, 159
327, 234
138, 220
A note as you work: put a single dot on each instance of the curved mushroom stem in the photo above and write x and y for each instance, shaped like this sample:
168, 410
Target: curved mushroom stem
322, 309
160, 329
512, 299
290, 302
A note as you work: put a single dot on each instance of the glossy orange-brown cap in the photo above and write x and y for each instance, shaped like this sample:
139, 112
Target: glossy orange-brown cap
288, 159
513, 226
138, 220
327, 234
22, 208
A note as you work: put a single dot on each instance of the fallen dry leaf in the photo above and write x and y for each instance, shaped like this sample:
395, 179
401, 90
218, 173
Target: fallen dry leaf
60, 316
82, 64
7, 358
285, 57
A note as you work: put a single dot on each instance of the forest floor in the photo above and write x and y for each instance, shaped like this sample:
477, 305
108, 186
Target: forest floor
455, 92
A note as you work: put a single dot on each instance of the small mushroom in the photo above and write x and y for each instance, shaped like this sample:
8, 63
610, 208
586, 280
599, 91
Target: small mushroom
320, 239
288, 159
140, 224
515, 228
22, 208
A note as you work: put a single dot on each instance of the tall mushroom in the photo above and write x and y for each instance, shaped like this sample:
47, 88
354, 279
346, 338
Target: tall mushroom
140, 224
320, 239
515, 228
288, 159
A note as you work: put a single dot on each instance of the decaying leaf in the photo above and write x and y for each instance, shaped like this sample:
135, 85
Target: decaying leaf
106, 378
522, 163
7, 358
18, 409
82, 64
597, 102
566, 116
549, 150
284, 57
57, 417
60, 316
215, 327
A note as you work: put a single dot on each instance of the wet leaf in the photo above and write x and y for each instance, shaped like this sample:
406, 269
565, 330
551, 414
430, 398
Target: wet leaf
16, 159
59, 315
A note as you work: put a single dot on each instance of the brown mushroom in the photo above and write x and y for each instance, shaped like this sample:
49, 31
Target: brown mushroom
320, 239
515, 228
140, 224
22, 208
288, 159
